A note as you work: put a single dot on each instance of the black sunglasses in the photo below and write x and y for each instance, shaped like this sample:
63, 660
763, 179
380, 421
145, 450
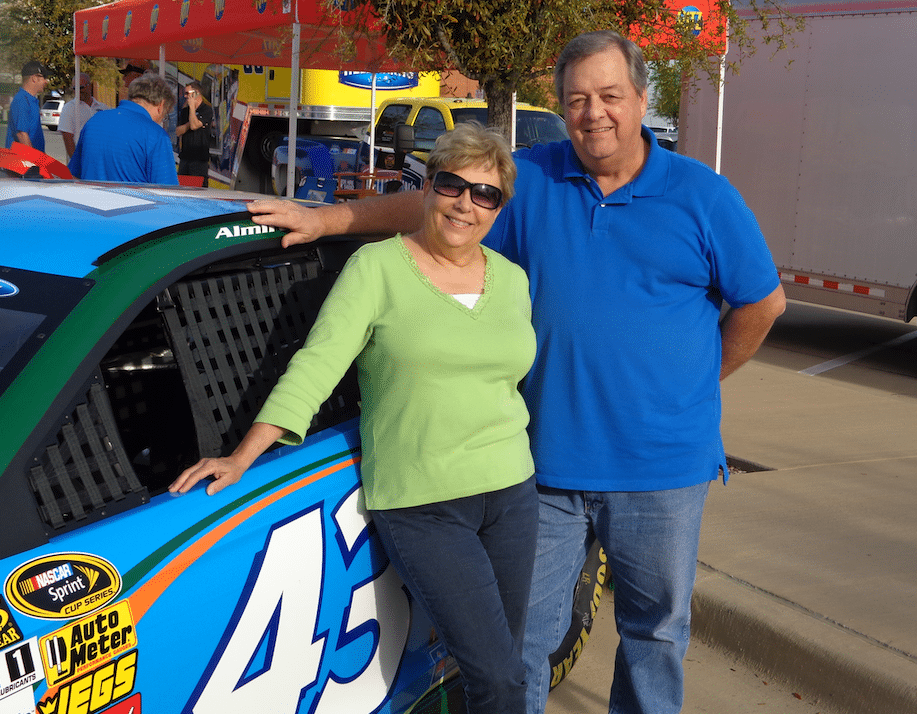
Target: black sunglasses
482, 194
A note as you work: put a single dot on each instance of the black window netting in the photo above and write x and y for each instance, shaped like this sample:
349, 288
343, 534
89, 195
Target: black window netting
234, 333
85, 473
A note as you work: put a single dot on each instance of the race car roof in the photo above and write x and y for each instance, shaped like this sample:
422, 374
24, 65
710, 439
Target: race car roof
64, 227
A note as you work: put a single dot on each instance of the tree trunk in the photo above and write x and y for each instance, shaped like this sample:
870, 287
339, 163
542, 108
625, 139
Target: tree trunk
499, 96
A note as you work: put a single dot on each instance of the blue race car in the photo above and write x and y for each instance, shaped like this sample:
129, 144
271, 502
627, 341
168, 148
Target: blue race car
140, 329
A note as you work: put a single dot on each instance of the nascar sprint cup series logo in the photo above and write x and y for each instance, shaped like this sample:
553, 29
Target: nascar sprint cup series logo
62, 586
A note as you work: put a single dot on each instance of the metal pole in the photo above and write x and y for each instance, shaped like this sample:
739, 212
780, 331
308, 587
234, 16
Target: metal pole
372, 125
294, 104
721, 89
512, 124
76, 94
719, 114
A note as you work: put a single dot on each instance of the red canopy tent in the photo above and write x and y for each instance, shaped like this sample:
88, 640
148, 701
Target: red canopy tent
256, 32
273, 33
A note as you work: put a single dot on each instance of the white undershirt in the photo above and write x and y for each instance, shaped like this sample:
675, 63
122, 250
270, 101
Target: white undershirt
469, 300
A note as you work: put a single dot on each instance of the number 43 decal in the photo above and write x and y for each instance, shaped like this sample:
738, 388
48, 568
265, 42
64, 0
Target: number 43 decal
274, 653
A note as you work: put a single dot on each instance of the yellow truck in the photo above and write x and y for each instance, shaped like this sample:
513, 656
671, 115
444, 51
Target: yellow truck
428, 117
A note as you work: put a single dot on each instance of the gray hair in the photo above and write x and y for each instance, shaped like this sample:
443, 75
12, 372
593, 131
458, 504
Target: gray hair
471, 144
152, 89
591, 43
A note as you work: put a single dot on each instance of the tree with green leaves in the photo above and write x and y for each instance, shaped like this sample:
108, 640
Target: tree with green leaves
43, 30
666, 76
506, 44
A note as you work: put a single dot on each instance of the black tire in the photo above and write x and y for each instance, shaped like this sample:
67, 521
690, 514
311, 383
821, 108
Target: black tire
586, 597
260, 148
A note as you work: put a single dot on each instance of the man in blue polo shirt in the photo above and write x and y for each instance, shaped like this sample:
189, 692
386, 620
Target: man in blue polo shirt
24, 124
630, 251
128, 143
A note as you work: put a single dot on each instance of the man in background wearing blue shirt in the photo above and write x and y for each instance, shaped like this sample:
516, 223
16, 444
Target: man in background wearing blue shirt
24, 124
128, 143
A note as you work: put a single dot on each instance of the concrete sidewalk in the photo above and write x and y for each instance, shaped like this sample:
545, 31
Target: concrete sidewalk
809, 571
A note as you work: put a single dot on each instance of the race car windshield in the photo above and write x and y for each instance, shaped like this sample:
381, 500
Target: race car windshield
32, 306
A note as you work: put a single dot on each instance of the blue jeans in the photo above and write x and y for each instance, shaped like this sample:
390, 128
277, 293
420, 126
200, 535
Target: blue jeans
468, 563
651, 539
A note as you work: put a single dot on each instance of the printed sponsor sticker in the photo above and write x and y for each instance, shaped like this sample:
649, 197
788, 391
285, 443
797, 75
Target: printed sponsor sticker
7, 289
88, 643
20, 669
131, 705
22, 701
94, 691
62, 586
9, 630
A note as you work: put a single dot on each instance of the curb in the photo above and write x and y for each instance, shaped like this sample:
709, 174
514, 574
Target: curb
825, 663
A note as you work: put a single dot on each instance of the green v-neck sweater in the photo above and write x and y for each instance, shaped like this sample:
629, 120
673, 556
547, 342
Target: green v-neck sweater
442, 417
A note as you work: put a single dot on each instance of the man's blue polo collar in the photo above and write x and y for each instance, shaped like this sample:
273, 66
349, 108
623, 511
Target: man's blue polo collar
651, 181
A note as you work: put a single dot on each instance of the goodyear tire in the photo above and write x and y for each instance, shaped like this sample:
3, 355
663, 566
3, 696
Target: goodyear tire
586, 597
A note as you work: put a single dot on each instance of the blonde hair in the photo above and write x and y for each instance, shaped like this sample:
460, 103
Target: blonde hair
471, 144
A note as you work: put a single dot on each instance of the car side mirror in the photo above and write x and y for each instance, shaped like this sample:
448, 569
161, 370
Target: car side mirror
404, 144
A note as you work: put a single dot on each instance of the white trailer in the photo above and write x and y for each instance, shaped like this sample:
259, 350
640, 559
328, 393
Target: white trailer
821, 140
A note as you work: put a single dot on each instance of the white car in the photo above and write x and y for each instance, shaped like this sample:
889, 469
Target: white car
50, 113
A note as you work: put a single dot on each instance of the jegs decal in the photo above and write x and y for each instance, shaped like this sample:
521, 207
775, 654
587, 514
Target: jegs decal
95, 690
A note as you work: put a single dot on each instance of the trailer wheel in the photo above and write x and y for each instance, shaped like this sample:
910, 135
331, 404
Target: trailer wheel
586, 597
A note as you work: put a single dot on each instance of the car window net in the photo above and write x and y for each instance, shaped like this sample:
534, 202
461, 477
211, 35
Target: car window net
84, 474
233, 335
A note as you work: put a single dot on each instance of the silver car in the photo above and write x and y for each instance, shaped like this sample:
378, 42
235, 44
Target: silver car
50, 113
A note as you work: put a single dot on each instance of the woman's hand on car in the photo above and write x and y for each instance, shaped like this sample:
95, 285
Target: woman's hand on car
227, 470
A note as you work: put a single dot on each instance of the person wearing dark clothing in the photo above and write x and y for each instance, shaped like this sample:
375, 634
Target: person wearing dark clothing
193, 130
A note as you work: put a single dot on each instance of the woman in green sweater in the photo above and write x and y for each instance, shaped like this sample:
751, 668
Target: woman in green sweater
440, 328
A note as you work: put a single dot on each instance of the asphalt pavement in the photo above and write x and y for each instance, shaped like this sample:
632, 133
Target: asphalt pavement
808, 571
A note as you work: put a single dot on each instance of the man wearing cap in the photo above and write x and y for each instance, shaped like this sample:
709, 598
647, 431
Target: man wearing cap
76, 113
25, 112
128, 143
133, 69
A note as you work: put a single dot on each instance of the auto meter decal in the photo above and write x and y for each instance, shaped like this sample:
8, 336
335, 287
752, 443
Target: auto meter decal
62, 586
88, 643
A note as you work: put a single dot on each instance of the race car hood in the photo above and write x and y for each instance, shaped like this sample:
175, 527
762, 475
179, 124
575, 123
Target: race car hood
38, 218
